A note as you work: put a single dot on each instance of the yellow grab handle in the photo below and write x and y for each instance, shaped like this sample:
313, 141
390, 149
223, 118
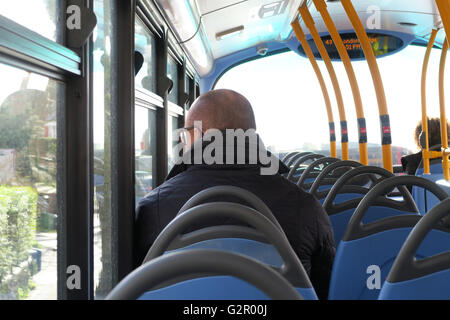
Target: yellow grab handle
309, 22
378, 82
425, 154
362, 131
302, 39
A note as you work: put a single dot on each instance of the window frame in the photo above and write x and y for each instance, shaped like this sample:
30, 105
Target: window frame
24, 49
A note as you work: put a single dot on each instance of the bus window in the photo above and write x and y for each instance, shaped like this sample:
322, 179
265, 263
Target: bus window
145, 44
172, 139
281, 111
145, 150
172, 74
37, 15
103, 83
29, 105
281, 100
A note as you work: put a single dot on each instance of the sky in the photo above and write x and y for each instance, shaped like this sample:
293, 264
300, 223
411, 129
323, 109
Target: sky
32, 14
290, 109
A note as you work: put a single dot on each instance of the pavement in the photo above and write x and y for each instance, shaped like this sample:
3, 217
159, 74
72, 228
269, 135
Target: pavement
45, 280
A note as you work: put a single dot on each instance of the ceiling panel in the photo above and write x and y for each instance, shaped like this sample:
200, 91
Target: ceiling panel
262, 21
206, 6
265, 21
389, 20
419, 6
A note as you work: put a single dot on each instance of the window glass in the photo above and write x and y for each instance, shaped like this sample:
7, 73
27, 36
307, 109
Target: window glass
145, 150
145, 44
172, 74
187, 86
29, 104
290, 110
41, 16
103, 233
172, 139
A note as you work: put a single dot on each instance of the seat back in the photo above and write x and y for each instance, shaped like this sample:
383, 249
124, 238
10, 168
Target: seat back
328, 177
367, 250
344, 197
421, 270
232, 191
293, 157
426, 201
262, 240
203, 274
312, 172
296, 165
340, 221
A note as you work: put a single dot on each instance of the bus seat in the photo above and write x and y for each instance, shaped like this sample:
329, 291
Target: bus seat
230, 288
360, 266
344, 197
187, 276
340, 221
426, 201
421, 270
262, 240
367, 250
328, 177
258, 250
306, 180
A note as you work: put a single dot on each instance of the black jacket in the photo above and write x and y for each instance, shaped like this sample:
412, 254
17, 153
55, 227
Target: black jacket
411, 162
301, 216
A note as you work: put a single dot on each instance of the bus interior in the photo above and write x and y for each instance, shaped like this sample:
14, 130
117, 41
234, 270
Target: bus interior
94, 95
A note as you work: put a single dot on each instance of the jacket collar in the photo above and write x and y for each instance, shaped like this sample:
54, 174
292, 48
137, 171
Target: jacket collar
228, 153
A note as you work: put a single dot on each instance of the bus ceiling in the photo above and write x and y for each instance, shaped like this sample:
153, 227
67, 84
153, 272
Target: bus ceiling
214, 31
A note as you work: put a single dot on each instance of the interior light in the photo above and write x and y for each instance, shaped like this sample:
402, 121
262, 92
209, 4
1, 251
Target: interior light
229, 33
408, 24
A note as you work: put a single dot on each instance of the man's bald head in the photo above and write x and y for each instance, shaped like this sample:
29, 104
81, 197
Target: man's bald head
222, 109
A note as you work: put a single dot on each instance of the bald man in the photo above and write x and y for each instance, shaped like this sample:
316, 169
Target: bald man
221, 147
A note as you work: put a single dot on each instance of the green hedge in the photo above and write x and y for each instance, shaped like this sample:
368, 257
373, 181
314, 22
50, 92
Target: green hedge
17, 226
5, 248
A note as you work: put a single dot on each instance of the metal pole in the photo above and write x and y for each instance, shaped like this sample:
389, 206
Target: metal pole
378, 83
302, 39
362, 131
309, 22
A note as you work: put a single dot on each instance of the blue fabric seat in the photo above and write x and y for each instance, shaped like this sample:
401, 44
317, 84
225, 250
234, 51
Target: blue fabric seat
340, 221
422, 267
351, 269
215, 288
208, 288
203, 274
260, 251
263, 252
372, 241
425, 200
264, 242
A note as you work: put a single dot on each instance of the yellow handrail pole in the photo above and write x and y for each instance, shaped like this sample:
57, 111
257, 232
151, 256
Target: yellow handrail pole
362, 131
444, 11
444, 137
425, 152
302, 39
310, 24
378, 82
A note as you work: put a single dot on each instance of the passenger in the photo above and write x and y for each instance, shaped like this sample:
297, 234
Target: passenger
411, 162
301, 216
